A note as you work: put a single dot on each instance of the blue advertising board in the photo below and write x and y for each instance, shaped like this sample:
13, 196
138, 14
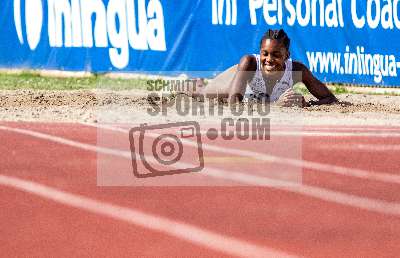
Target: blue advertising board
350, 41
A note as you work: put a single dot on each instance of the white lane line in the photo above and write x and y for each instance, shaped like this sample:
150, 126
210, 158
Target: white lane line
337, 134
352, 129
329, 128
320, 167
80, 145
362, 147
323, 134
183, 231
379, 206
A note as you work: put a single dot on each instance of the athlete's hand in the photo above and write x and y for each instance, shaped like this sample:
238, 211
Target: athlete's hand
290, 98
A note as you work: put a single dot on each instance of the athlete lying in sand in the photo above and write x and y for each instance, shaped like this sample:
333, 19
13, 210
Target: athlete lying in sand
269, 76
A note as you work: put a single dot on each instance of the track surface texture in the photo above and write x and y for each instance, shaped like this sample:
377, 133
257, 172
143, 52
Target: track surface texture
347, 203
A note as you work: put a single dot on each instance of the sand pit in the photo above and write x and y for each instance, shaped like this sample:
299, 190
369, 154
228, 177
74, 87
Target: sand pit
131, 106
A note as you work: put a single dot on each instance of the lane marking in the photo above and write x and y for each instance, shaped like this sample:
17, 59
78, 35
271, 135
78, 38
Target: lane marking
345, 131
352, 129
364, 203
320, 167
323, 134
183, 231
318, 131
362, 147
385, 133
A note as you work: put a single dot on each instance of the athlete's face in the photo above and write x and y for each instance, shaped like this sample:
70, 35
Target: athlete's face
273, 55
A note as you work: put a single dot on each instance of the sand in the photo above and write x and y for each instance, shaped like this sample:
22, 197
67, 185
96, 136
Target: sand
132, 107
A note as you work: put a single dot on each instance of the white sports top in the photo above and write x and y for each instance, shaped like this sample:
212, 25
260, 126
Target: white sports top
257, 89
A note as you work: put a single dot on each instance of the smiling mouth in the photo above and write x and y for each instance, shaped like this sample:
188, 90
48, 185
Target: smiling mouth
270, 67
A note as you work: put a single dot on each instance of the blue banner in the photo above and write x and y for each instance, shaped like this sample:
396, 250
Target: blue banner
352, 41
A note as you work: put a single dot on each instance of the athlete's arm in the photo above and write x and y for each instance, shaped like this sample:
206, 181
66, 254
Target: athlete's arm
314, 86
245, 72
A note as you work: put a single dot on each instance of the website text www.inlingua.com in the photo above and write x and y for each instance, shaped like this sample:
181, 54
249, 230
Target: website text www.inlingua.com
357, 62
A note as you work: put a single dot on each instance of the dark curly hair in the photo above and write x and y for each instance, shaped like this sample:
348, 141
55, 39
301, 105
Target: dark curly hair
277, 35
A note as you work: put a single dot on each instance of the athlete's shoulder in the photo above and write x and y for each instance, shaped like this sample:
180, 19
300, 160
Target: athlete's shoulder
299, 66
306, 75
248, 63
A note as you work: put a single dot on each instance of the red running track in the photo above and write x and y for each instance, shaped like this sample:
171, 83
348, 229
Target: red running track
42, 222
